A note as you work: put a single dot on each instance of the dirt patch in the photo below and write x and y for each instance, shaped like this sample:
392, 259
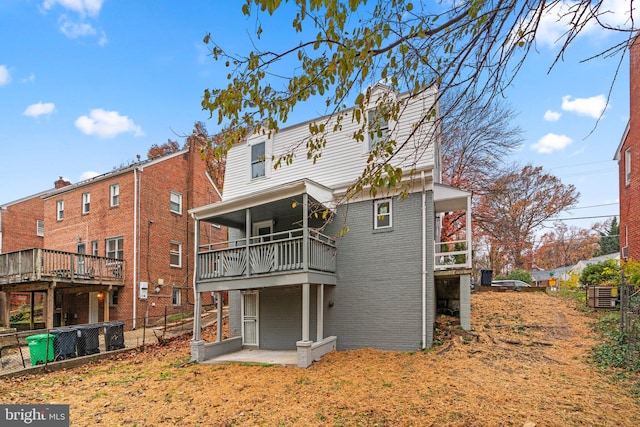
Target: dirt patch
523, 364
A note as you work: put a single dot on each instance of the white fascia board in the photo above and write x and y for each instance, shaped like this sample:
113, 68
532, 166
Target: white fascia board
618, 155
449, 199
318, 192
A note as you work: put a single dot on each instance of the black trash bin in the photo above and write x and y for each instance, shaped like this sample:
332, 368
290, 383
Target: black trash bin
486, 277
87, 342
113, 335
64, 344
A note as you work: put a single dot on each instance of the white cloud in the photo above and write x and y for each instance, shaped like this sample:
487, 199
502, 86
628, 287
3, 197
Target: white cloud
75, 29
40, 109
82, 7
592, 107
88, 175
550, 143
107, 124
30, 79
5, 76
552, 116
558, 16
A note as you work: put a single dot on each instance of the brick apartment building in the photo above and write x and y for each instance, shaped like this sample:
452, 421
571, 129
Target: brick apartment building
137, 214
628, 157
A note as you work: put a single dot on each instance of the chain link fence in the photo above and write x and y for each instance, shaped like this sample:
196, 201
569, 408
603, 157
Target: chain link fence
20, 350
630, 319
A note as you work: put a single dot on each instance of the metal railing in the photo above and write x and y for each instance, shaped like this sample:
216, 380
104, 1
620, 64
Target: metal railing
452, 255
47, 264
271, 253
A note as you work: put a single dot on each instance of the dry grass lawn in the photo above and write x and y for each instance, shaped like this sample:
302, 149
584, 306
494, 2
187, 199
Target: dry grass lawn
522, 365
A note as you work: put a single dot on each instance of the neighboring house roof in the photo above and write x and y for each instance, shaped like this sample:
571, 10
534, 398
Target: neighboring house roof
24, 199
595, 260
115, 172
542, 275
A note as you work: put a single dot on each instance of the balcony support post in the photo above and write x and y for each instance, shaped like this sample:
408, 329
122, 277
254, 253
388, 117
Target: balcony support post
305, 232
248, 240
320, 313
468, 232
305, 311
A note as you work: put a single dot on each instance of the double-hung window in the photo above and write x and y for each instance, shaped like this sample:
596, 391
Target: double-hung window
258, 160
114, 195
378, 128
175, 296
60, 210
175, 254
175, 205
40, 227
86, 203
115, 248
627, 167
382, 214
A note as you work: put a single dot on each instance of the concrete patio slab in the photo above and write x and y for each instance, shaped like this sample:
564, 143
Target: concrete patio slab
257, 357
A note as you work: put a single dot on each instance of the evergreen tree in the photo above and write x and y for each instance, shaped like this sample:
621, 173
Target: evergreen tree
610, 239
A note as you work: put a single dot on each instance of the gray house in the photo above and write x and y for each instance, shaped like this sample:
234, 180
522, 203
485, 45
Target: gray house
297, 281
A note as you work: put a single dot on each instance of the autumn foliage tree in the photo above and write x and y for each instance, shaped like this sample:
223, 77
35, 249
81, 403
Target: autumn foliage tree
515, 205
163, 149
564, 246
339, 49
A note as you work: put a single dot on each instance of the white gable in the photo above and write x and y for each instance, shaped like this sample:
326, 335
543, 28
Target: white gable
343, 159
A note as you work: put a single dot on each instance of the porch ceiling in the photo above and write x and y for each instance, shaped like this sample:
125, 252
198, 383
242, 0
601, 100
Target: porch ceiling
268, 204
449, 199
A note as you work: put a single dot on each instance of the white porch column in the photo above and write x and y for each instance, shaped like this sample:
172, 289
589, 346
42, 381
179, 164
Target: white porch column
305, 231
468, 232
305, 311
197, 308
219, 318
320, 313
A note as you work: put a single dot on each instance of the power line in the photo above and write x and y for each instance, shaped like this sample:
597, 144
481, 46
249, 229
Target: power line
582, 217
593, 206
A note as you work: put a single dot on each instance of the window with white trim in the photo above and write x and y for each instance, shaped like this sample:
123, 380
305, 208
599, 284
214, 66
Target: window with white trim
60, 210
378, 128
175, 204
94, 248
175, 254
258, 160
627, 166
175, 296
86, 203
114, 195
115, 247
382, 214
40, 227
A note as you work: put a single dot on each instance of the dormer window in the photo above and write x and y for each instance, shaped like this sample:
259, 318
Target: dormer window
378, 128
258, 160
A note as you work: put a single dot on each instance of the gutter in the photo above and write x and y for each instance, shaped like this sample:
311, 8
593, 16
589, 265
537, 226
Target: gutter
424, 263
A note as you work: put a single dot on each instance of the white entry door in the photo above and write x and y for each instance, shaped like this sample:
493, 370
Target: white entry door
93, 307
249, 309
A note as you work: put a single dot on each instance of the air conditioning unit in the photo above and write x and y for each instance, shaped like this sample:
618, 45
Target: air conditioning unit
625, 252
602, 297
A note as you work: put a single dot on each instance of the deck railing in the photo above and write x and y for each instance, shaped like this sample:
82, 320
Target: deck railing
452, 255
46, 264
271, 253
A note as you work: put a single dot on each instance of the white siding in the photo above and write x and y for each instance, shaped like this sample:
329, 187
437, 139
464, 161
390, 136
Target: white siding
343, 159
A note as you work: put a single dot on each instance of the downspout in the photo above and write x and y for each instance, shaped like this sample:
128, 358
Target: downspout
424, 263
135, 244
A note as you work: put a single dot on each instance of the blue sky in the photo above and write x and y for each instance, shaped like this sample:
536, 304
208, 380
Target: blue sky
87, 85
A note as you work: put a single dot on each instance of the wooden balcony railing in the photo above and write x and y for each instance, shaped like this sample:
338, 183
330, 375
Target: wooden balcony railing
272, 253
46, 264
452, 255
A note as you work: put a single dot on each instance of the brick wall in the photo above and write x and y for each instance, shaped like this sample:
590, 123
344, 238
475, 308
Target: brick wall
147, 249
19, 225
630, 194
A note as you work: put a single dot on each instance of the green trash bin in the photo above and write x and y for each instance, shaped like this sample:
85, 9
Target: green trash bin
41, 348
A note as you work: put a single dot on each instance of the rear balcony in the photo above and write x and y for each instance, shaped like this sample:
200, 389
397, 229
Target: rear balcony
272, 259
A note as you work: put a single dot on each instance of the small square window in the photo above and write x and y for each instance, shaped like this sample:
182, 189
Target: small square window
175, 296
114, 195
60, 210
176, 202
258, 160
382, 214
40, 228
86, 203
175, 254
